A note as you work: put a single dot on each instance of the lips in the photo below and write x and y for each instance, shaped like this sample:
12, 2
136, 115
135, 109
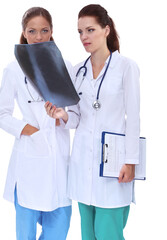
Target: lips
86, 44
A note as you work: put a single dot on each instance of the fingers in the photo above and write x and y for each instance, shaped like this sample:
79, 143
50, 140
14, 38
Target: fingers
121, 177
124, 178
50, 109
55, 112
127, 173
48, 106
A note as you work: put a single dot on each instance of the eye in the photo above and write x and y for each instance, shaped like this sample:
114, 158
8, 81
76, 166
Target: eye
80, 32
31, 31
45, 30
91, 30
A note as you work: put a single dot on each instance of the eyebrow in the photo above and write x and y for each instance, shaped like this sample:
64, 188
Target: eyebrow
87, 27
35, 28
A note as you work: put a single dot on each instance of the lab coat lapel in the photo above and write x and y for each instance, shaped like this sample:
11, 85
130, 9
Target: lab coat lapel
33, 109
89, 75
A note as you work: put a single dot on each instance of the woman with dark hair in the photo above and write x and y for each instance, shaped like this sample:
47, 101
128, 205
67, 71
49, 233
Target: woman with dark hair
108, 85
37, 174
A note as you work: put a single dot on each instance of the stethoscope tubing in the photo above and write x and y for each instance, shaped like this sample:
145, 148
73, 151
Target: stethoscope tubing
33, 100
84, 68
98, 92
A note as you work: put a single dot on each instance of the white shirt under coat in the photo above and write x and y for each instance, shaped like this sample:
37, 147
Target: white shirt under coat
38, 164
119, 113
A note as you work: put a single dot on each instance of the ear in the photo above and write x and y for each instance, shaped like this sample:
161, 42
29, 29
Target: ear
24, 34
107, 30
51, 34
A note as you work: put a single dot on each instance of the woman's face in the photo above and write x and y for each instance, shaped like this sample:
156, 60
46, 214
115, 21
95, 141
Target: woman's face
92, 35
37, 30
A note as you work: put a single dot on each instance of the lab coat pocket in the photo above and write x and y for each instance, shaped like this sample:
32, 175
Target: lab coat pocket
37, 145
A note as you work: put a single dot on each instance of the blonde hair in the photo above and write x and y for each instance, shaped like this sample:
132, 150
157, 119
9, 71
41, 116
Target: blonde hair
34, 12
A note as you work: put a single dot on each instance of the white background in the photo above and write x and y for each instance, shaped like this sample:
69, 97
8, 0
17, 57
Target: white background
142, 29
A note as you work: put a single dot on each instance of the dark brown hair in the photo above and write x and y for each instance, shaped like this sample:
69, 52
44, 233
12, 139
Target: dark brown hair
34, 12
102, 18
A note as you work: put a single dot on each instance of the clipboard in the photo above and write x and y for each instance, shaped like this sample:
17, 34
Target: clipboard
113, 156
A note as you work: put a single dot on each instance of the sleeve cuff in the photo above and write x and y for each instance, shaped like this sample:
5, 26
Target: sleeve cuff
18, 134
73, 120
62, 123
131, 161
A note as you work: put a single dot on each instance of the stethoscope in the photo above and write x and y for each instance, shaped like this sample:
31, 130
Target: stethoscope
96, 104
39, 99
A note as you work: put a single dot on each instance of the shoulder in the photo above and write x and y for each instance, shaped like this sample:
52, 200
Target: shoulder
69, 68
13, 67
11, 74
77, 66
68, 64
130, 70
128, 63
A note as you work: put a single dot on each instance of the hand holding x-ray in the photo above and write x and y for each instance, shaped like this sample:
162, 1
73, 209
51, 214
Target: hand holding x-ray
54, 112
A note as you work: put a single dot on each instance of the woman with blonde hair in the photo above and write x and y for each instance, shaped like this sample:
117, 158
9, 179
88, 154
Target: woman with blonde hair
37, 174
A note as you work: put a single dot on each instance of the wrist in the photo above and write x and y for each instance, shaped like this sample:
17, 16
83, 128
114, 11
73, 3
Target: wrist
65, 117
29, 130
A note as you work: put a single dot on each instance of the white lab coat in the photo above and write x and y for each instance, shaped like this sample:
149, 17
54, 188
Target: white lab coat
38, 164
119, 98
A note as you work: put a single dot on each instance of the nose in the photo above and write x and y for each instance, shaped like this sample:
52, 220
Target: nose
83, 36
38, 36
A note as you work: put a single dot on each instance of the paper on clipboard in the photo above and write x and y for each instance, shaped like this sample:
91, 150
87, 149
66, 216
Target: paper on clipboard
113, 155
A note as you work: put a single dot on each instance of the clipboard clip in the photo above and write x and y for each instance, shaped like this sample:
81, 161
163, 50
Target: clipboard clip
105, 153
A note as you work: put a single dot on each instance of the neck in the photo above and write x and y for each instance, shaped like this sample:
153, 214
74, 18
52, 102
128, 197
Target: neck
98, 60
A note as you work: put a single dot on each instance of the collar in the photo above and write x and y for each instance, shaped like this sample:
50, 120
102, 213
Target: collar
114, 59
115, 56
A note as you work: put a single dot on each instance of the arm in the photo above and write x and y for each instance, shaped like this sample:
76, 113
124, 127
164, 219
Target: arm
8, 93
132, 110
56, 113
70, 118
29, 130
127, 173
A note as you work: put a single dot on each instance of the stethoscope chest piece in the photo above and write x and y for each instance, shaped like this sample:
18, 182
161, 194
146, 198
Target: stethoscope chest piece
96, 105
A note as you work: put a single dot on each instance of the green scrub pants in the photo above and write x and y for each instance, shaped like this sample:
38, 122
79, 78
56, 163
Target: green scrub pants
103, 223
